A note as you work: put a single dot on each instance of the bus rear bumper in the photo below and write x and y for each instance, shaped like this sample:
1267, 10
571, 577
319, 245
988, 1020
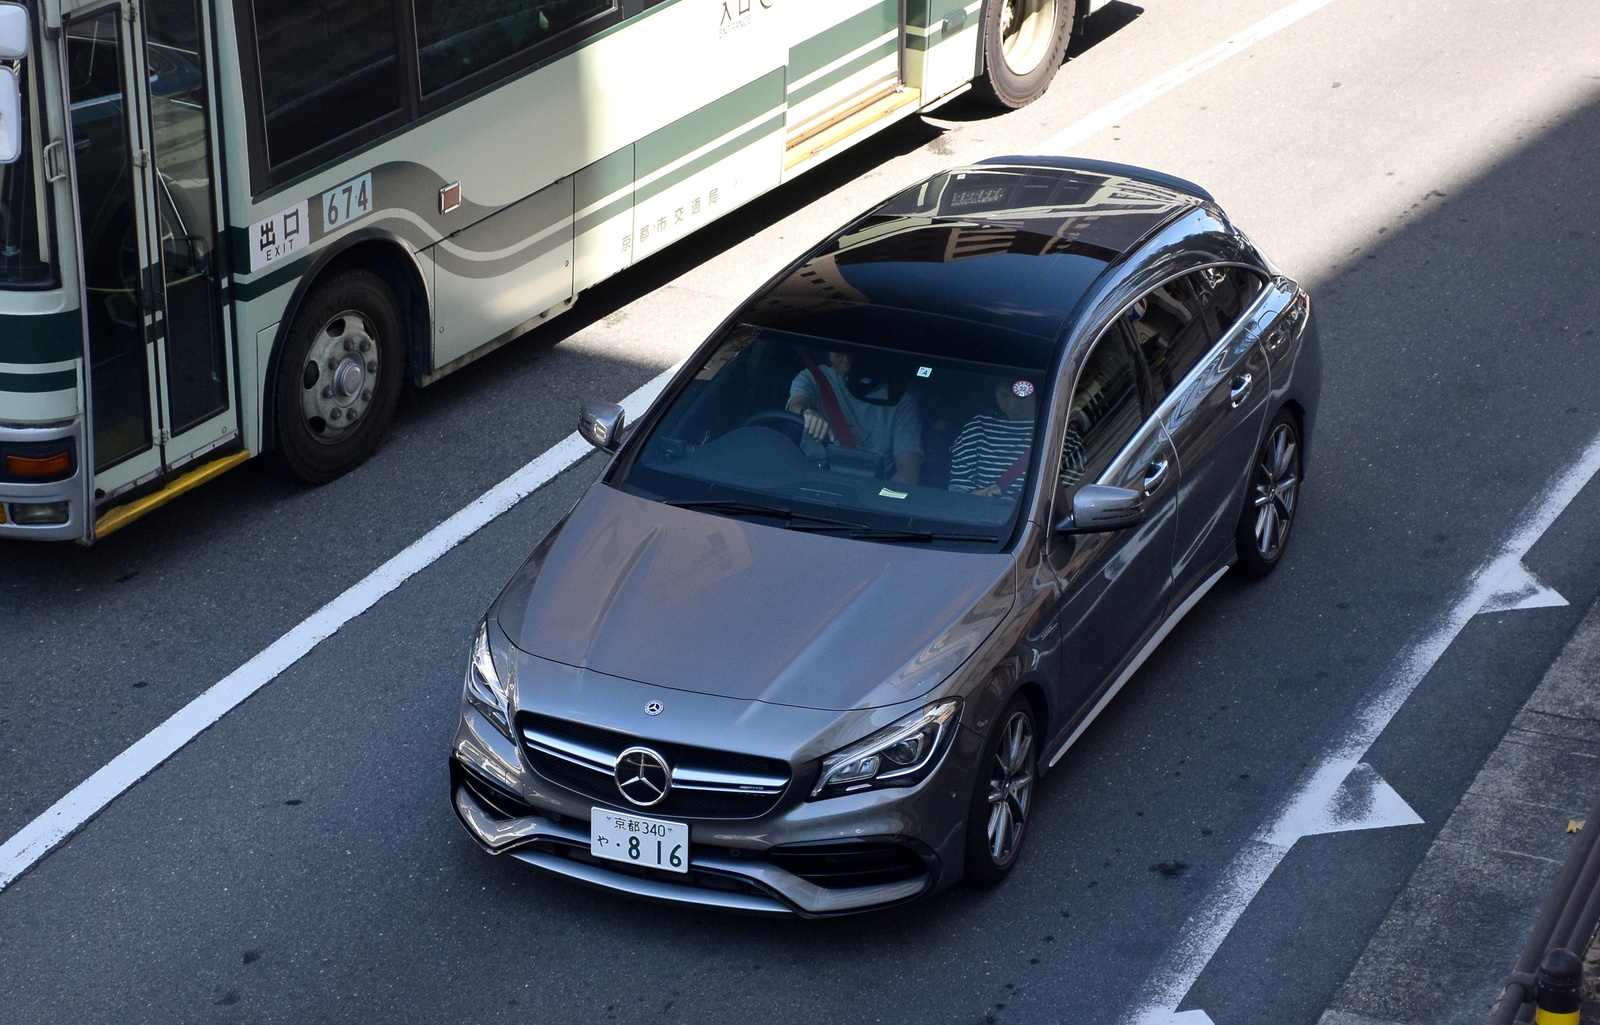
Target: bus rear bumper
49, 511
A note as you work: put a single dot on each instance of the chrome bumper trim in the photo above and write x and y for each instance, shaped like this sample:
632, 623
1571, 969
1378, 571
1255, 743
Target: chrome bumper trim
805, 896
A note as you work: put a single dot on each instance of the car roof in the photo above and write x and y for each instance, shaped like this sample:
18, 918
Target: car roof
985, 261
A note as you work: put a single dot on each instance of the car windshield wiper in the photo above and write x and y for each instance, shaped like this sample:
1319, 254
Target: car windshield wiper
791, 519
921, 536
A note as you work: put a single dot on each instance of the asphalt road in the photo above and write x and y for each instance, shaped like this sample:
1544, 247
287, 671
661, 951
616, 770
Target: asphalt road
1427, 169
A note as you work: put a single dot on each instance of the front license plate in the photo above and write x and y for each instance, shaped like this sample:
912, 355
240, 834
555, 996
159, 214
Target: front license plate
639, 841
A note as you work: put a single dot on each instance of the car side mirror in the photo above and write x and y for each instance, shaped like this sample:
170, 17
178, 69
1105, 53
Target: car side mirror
601, 424
1098, 507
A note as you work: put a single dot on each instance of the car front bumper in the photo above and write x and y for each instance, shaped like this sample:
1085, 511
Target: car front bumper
733, 863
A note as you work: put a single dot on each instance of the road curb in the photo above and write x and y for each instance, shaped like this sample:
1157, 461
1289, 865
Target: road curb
1465, 916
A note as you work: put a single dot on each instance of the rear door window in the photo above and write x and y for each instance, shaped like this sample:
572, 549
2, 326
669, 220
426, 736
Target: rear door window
1172, 330
1176, 325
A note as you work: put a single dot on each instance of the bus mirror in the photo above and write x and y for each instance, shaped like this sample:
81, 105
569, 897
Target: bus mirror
13, 32
10, 117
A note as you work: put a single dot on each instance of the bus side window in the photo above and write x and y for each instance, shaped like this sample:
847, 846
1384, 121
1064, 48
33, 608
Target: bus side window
327, 69
457, 40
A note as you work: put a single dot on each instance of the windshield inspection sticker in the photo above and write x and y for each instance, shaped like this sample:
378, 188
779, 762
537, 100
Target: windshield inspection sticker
276, 237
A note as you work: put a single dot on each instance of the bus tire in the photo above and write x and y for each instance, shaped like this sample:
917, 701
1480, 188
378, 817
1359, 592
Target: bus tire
339, 377
1024, 42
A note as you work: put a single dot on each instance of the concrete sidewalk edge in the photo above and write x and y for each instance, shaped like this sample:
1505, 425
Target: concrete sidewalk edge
1454, 933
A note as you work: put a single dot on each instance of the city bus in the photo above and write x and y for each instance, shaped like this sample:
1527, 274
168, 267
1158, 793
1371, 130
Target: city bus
240, 227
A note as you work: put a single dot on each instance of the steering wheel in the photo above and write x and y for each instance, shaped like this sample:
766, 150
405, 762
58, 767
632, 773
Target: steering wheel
793, 427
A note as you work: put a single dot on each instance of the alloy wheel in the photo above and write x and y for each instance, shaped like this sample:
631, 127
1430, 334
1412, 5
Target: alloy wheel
1011, 788
1277, 487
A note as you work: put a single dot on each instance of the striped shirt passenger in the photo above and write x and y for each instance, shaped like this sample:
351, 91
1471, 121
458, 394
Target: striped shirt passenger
986, 449
990, 454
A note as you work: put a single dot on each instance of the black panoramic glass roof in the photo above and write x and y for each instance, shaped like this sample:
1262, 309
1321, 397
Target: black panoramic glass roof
975, 263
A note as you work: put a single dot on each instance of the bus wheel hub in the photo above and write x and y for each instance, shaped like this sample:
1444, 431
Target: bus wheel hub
335, 400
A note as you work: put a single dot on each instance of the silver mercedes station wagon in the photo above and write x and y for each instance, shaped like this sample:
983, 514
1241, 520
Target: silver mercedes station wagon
889, 542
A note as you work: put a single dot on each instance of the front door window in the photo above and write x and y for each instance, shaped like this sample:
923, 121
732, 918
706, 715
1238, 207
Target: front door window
194, 350
108, 215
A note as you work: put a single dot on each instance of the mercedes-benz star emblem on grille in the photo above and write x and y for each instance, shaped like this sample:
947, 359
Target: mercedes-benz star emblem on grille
652, 708
643, 776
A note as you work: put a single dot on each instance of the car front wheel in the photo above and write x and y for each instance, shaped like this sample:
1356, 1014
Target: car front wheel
1002, 796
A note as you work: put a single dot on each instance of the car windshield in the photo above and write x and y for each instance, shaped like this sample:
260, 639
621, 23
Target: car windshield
23, 260
863, 441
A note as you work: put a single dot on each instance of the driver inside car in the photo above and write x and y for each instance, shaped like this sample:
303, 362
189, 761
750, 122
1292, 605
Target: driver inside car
856, 407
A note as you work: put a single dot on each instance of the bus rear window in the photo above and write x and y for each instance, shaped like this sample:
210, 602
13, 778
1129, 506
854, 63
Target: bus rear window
24, 255
326, 70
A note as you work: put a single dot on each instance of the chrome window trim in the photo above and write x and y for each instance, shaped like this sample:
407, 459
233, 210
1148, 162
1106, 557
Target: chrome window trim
1248, 321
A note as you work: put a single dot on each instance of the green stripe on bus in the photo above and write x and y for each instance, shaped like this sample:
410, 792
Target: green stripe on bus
245, 291
853, 33
41, 337
919, 13
589, 222
843, 72
55, 380
771, 126
717, 118
611, 173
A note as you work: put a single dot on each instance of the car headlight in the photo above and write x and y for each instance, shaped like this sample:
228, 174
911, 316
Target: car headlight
899, 755
483, 687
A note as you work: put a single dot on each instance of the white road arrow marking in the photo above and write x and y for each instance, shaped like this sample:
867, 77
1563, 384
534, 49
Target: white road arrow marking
1515, 587
1351, 796
1342, 791
1194, 1017
1342, 795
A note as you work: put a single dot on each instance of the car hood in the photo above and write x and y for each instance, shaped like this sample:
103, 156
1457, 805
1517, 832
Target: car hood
682, 599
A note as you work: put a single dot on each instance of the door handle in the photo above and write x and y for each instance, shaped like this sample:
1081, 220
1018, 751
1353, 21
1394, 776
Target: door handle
1154, 476
1240, 389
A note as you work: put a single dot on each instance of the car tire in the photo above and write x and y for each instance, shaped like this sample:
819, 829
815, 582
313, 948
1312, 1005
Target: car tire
339, 377
1272, 499
1002, 795
1024, 42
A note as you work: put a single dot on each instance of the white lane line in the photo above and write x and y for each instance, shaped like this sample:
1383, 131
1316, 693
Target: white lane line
88, 798
1305, 813
1116, 110
61, 819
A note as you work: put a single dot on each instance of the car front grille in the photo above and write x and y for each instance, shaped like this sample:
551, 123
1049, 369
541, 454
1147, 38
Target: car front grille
706, 783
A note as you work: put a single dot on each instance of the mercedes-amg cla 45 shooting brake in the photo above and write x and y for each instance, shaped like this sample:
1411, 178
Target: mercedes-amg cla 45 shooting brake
887, 544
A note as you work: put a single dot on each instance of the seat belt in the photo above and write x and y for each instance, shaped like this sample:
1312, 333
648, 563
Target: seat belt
1015, 470
830, 403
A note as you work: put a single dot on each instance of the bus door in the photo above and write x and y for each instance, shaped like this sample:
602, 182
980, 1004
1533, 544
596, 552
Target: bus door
846, 72
161, 390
